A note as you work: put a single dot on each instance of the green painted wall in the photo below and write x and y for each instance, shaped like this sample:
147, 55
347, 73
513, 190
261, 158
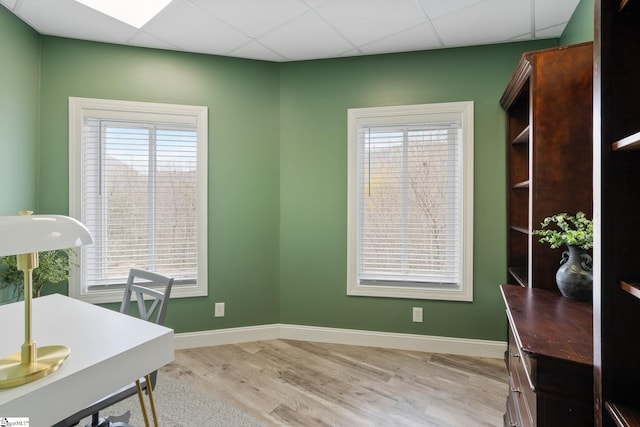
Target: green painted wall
243, 101
277, 167
581, 25
315, 96
19, 113
19, 117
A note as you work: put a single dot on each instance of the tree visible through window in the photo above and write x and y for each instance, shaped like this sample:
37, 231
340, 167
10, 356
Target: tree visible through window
140, 175
409, 196
143, 210
409, 227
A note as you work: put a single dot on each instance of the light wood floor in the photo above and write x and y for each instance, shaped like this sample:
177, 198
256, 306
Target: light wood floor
296, 383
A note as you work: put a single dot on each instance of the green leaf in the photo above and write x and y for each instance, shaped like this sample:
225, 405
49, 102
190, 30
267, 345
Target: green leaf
569, 230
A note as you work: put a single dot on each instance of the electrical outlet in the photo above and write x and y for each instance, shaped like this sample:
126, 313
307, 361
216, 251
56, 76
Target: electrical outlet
219, 309
417, 314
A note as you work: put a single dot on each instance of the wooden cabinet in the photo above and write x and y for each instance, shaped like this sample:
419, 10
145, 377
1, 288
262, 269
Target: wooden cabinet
617, 198
549, 107
550, 359
549, 153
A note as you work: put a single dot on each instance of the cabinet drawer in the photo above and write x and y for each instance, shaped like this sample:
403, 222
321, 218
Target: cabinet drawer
527, 364
510, 418
516, 407
521, 390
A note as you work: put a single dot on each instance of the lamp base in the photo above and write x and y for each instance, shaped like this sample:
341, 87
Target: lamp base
14, 373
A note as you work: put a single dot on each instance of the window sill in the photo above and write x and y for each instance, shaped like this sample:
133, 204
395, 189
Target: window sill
410, 293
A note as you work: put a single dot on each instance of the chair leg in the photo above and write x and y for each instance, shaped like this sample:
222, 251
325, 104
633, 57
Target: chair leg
96, 421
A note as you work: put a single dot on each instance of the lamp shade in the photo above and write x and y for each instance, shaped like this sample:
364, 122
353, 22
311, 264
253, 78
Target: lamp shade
22, 234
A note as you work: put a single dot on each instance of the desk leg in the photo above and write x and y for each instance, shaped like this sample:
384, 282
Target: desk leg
142, 405
151, 401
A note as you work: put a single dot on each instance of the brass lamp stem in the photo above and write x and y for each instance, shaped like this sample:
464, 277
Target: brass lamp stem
27, 263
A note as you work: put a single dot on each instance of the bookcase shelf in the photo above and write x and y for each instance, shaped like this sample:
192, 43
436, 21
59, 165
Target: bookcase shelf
520, 275
521, 230
523, 137
623, 416
632, 287
616, 303
630, 143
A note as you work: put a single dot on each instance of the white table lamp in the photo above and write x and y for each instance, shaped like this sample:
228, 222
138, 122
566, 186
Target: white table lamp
25, 235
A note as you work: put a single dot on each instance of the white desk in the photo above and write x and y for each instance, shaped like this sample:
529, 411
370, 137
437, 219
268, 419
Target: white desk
108, 351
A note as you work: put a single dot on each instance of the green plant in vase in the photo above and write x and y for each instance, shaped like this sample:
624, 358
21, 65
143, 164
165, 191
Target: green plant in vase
574, 277
53, 268
571, 230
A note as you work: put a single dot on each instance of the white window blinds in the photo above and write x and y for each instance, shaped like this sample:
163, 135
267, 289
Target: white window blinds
410, 210
138, 181
410, 203
139, 199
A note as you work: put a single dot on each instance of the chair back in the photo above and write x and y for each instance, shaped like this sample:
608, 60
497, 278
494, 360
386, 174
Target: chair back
151, 301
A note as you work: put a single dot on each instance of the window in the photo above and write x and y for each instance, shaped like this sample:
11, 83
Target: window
410, 201
137, 178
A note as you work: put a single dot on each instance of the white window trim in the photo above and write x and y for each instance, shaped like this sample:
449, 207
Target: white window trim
356, 116
76, 107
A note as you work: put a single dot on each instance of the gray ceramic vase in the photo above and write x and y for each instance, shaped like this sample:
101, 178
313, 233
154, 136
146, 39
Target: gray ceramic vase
575, 275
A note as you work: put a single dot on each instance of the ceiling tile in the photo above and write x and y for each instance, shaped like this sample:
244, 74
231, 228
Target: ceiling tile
313, 39
521, 38
291, 30
9, 4
365, 21
144, 39
496, 20
254, 17
255, 50
438, 8
421, 37
71, 19
352, 52
549, 13
315, 3
549, 32
191, 28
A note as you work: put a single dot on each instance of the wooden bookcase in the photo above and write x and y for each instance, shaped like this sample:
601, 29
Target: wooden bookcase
617, 199
549, 109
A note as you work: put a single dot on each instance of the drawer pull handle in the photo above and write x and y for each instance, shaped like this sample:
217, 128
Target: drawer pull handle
512, 424
516, 390
515, 355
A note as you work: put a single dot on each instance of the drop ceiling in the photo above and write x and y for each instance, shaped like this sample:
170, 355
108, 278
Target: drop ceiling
293, 30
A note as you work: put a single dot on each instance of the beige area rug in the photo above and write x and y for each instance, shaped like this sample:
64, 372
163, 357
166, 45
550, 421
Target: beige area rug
180, 406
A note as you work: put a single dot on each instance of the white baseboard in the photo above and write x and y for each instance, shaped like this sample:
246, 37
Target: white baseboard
226, 336
426, 343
